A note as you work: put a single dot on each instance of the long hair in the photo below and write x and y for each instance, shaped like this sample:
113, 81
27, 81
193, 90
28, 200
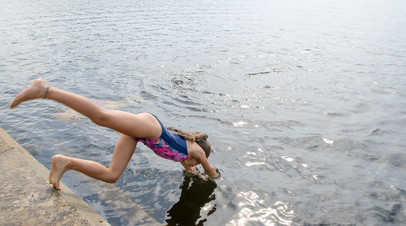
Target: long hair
198, 137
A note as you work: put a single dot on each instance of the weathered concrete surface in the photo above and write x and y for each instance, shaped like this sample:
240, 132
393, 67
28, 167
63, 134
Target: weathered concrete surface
26, 198
129, 211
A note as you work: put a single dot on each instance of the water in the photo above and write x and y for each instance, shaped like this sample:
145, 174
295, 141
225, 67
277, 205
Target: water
303, 101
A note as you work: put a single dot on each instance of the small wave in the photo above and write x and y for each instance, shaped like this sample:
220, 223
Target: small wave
258, 73
398, 160
346, 144
390, 215
377, 132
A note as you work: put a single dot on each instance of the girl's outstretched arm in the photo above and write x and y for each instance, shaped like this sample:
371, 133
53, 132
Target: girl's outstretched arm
208, 169
197, 154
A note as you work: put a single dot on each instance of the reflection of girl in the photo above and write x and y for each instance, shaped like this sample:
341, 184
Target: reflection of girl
189, 149
194, 196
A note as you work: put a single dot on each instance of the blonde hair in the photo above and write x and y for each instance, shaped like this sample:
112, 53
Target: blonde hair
198, 137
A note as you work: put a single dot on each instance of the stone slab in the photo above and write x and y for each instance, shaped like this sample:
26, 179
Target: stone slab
26, 198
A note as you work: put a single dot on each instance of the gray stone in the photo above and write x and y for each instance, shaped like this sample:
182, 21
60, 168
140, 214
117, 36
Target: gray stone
26, 198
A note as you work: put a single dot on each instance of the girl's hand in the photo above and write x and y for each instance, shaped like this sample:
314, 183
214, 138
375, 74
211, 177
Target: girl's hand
214, 174
218, 173
189, 173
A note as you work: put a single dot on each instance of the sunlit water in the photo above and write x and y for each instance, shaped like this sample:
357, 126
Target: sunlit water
304, 103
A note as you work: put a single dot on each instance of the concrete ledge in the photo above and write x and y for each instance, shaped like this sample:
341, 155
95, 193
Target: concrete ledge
26, 198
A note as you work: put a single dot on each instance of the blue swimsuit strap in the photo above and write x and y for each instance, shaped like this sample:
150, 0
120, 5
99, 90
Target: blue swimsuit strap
173, 139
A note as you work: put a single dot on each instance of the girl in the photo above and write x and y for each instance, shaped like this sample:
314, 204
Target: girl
190, 149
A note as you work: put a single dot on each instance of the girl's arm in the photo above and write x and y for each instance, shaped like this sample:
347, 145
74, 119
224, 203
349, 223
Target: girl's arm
208, 169
188, 168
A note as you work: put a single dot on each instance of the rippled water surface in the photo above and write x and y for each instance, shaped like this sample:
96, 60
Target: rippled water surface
304, 103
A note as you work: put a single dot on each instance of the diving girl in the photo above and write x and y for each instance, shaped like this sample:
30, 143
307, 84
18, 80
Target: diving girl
190, 149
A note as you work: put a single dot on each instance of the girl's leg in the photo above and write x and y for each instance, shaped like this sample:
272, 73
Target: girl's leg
142, 125
121, 156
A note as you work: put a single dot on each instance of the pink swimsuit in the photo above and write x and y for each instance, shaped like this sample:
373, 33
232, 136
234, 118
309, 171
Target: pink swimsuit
169, 145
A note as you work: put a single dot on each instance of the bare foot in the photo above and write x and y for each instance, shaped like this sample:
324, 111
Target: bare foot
59, 166
36, 90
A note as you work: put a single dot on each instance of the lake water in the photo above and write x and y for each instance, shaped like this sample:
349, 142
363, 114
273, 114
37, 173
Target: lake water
304, 103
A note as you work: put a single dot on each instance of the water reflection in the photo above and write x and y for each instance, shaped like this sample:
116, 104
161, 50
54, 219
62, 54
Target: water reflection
195, 202
254, 209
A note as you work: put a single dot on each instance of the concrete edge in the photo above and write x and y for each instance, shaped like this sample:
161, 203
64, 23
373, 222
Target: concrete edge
83, 208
